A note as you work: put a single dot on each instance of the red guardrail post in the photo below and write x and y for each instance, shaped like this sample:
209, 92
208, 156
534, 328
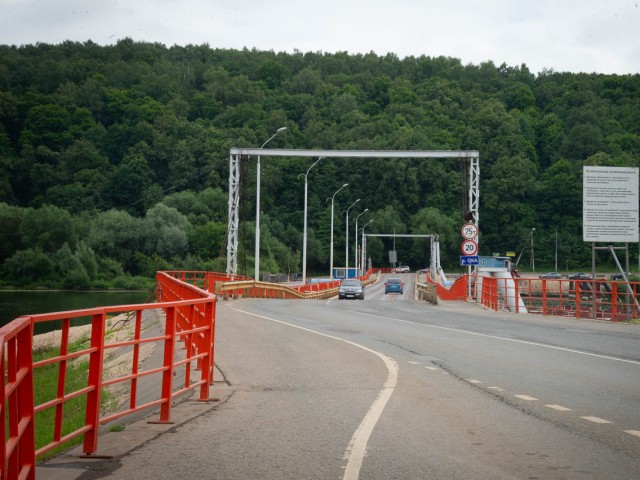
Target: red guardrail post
18, 459
167, 374
96, 359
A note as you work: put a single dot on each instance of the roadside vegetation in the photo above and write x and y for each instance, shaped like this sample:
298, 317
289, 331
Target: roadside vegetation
46, 379
114, 159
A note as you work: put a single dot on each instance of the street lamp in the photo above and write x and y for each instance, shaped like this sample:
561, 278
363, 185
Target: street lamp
304, 235
363, 248
257, 255
331, 254
346, 242
533, 255
355, 257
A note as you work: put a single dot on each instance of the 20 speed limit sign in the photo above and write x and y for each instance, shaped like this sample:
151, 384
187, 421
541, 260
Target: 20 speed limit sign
470, 231
469, 247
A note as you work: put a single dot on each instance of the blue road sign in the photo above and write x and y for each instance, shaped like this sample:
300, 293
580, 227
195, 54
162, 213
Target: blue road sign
469, 260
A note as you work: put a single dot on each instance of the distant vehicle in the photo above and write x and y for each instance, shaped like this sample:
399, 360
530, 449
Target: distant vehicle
402, 269
351, 288
393, 285
619, 276
553, 275
579, 276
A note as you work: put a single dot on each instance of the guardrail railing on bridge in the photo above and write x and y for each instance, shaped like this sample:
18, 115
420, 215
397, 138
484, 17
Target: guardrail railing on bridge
189, 316
586, 298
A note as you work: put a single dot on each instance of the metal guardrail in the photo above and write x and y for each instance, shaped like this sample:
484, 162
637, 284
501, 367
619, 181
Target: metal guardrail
588, 298
257, 289
189, 317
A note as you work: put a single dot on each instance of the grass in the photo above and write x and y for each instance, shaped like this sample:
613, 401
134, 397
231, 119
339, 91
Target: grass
46, 389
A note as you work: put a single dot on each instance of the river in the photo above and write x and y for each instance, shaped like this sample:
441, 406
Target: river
16, 303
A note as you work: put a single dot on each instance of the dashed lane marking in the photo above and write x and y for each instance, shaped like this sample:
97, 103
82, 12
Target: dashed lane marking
596, 419
560, 408
431, 368
635, 433
497, 389
474, 381
414, 363
526, 397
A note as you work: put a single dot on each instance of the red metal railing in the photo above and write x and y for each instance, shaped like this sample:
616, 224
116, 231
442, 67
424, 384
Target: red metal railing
599, 298
243, 287
189, 317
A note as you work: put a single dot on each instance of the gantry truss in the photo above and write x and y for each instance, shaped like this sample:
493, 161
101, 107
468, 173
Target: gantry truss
472, 157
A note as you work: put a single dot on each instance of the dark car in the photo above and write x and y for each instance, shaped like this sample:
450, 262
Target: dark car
579, 276
393, 285
619, 276
351, 288
553, 275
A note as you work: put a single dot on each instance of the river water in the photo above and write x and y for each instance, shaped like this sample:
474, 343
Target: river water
16, 303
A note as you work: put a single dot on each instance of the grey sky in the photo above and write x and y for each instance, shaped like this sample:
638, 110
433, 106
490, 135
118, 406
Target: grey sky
577, 36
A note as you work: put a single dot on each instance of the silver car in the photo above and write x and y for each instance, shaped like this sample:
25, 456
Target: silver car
351, 288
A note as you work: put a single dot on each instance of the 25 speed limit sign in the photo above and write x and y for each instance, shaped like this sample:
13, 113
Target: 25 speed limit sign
470, 231
469, 247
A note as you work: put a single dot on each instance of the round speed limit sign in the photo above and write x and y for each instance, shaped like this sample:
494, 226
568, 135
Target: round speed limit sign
470, 231
469, 247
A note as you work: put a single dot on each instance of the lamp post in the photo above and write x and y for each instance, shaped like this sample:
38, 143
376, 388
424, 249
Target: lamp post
257, 254
363, 248
556, 249
533, 255
346, 242
355, 257
304, 236
331, 249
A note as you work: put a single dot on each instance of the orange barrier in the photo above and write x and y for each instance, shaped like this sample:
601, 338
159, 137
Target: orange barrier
189, 317
599, 299
457, 291
255, 289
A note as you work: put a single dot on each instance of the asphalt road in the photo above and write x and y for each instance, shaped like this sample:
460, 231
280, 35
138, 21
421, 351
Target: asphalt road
390, 388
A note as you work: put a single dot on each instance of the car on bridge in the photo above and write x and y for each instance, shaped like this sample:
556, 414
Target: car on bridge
550, 275
351, 288
393, 285
579, 276
402, 269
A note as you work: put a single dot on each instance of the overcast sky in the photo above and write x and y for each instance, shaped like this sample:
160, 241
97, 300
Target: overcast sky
600, 36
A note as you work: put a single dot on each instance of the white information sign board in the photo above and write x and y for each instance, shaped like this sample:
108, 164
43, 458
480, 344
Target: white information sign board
610, 204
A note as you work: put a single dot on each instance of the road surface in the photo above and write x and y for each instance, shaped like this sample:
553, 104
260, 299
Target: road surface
392, 388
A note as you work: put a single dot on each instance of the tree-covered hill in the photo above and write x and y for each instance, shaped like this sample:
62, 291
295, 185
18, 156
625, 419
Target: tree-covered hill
114, 159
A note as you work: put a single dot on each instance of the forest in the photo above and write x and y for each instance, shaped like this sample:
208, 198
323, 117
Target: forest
114, 160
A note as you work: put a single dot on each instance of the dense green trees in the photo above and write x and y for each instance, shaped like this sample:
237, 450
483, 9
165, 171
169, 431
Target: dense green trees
114, 160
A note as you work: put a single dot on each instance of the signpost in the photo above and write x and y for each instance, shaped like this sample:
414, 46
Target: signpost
610, 204
469, 248
470, 231
467, 261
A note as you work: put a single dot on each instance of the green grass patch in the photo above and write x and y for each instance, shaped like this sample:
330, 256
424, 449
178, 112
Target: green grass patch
46, 389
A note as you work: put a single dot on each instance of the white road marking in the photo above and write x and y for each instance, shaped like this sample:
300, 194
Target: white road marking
596, 419
633, 432
475, 382
356, 448
526, 397
497, 389
431, 368
560, 408
414, 363
504, 339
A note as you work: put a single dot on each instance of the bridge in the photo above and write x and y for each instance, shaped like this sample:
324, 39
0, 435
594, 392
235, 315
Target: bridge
344, 387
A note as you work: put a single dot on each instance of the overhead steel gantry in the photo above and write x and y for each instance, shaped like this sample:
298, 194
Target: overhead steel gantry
434, 258
470, 156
